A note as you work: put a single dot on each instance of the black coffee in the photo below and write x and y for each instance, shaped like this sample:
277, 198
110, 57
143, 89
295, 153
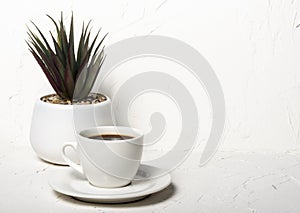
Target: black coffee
111, 137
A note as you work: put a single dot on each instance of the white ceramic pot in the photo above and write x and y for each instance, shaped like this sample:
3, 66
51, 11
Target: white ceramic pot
55, 124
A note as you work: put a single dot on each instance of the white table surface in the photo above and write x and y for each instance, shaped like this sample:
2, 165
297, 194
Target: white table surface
232, 182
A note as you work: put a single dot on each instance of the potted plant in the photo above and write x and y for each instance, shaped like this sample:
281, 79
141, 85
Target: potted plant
72, 76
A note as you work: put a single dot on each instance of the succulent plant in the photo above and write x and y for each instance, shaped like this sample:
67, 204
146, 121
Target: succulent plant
72, 77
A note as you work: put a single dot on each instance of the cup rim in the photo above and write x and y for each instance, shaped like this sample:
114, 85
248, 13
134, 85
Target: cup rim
139, 133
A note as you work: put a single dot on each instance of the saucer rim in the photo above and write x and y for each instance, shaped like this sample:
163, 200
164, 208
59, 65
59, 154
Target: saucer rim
164, 181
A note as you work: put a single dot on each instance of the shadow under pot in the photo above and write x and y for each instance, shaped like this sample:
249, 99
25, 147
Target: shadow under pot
54, 123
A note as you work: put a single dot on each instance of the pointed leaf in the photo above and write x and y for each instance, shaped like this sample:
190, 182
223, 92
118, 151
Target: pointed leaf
80, 83
50, 66
97, 48
69, 81
47, 74
43, 37
60, 68
71, 54
81, 40
92, 75
58, 51
63, 37
57, 29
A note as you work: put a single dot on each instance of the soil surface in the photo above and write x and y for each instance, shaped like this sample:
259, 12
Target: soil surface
92, 98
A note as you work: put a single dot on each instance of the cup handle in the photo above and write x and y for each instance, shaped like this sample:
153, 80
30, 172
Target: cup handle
75, 166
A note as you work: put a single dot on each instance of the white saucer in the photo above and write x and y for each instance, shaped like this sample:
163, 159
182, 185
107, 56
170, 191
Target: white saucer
70, 183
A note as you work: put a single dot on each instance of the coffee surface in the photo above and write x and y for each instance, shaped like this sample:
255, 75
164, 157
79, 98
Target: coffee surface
111, 137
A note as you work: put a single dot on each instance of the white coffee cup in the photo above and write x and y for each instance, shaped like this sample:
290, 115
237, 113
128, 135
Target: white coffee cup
107, 163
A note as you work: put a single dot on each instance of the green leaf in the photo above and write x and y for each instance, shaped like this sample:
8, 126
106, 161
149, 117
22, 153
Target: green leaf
80, 83
97, 48
37, 42
47, 74
69, 81
47, 59
71, 54
43, 37
61, 69
63, 38
92, 75
80, 46
58, 51
57, 29
46, 55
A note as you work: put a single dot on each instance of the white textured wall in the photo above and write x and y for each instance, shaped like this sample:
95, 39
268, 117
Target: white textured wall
253, 46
